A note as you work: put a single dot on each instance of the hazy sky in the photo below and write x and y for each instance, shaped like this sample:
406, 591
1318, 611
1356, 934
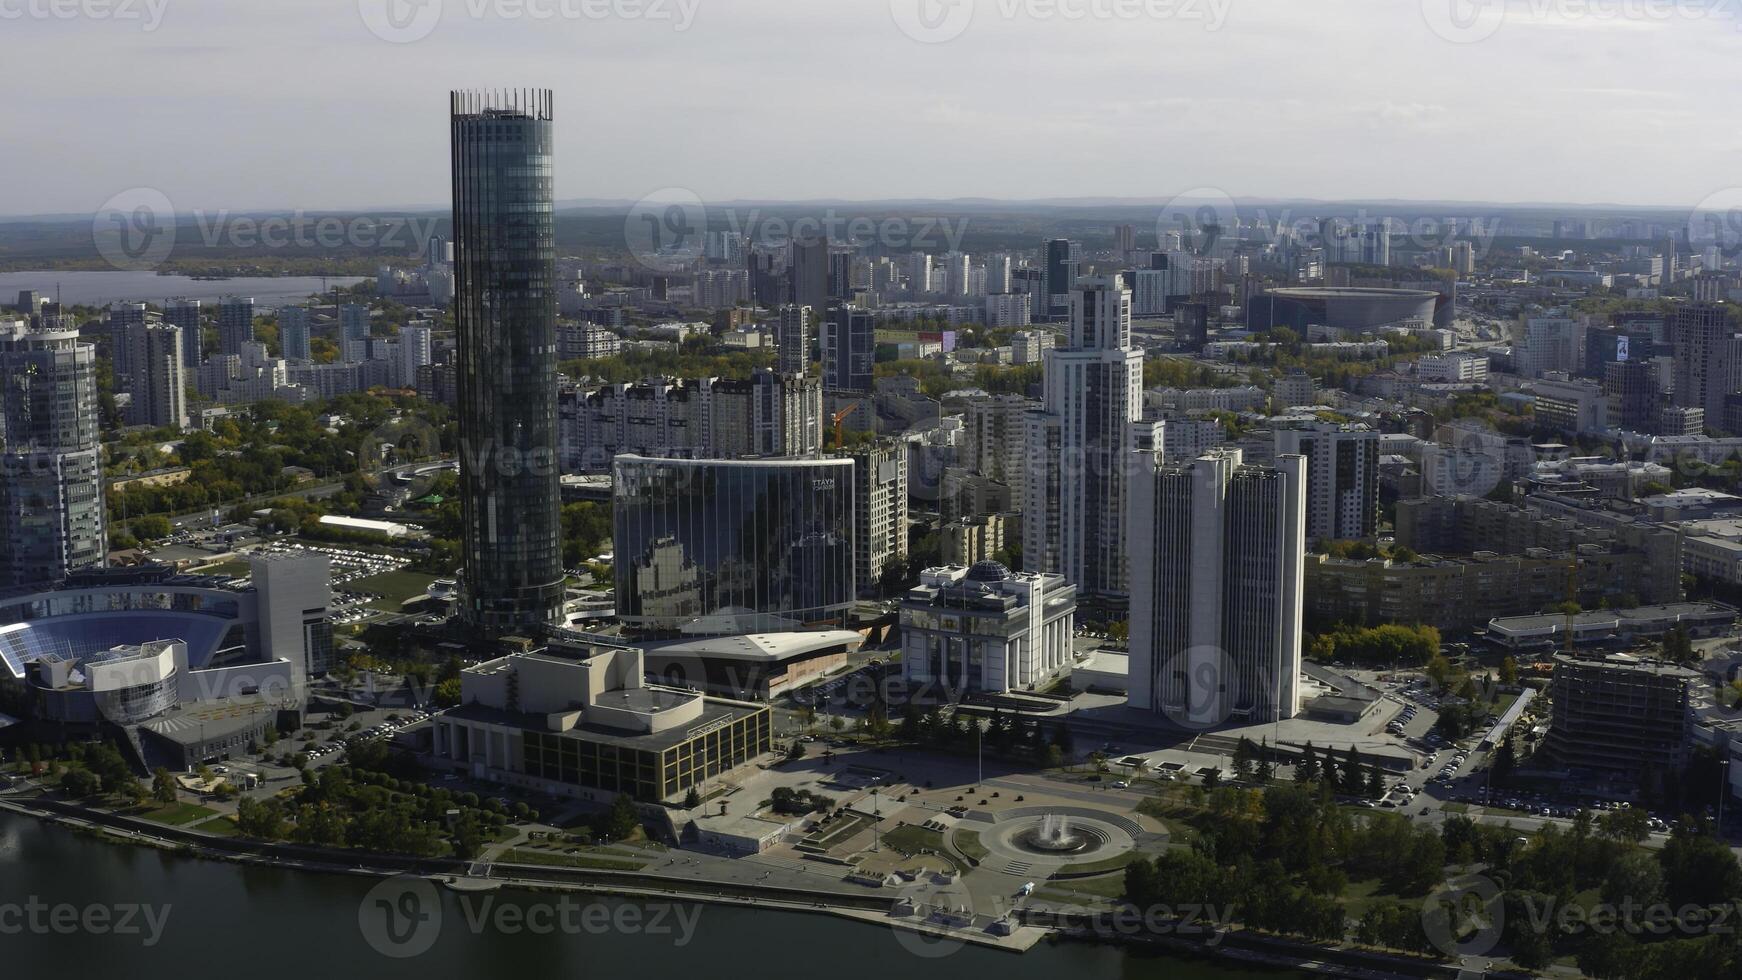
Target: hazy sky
299, 104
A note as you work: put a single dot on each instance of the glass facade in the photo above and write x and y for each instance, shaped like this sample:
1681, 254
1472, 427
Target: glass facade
52, 521
645, 773
733, 546
505, 314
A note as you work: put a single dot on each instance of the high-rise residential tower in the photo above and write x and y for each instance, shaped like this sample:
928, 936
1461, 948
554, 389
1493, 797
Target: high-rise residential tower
1342, 487
353, 328
235, 324
849, 344
1080, 445
793, 339
1063, 257
294, 331
1702, 338
123, 317
879, 512
415, 350
808, 269
185, 313
505, 316
159, 386
1217, 560
51, 472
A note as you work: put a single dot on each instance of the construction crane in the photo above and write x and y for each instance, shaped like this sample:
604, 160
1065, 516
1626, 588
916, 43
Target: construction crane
839, 417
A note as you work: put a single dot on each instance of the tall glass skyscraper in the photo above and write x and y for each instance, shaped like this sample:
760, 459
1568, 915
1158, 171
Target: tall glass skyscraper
51, 473
505, 313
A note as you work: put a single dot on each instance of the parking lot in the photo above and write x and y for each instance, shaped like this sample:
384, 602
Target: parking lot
350, 605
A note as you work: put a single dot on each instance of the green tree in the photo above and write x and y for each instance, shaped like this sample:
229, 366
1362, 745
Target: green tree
1678, 646
1243, 757
152, 528
621, 820
162, 786
1506, 760
468, 836
1698, 869
80, 783
263, 820
1631, 825
1352, 781
1508, 671
447, 693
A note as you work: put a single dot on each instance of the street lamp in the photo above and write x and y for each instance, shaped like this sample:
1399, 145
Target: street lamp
1723, 790
876, 821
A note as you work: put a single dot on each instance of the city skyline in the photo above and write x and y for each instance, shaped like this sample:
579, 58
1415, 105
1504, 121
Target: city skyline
1153, 560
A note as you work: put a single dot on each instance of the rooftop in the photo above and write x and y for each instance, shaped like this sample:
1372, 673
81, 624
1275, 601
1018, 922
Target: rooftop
715, 713
771, 647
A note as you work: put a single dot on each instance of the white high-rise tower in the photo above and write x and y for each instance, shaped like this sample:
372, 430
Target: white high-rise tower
1217, 559
1080, 445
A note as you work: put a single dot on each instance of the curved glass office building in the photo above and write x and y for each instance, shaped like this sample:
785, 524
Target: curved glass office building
733, 546
505, 316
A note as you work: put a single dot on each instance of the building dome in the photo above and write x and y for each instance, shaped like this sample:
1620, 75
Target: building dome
988, 571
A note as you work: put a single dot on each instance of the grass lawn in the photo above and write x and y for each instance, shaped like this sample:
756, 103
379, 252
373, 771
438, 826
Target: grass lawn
968, 842
1115, 863
228, 569
914, 838
178, 814
1109, 886
1361, 896
393, 588
221, 826
526, 856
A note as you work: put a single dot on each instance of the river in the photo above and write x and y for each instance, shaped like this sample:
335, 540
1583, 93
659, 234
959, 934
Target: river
210, 917
103, 288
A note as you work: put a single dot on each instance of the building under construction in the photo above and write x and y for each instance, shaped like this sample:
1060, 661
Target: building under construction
1620, 714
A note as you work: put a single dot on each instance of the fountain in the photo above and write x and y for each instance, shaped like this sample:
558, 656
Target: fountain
1055, 832
1053, 835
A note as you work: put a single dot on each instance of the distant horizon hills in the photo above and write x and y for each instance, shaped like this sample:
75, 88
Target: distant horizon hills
1108, 205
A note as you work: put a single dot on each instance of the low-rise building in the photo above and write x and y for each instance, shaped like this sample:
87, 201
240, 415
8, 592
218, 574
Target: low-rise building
586, 340
1463, 593
582, 721
1456, 367
755, 666
1611, 626
986, 629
